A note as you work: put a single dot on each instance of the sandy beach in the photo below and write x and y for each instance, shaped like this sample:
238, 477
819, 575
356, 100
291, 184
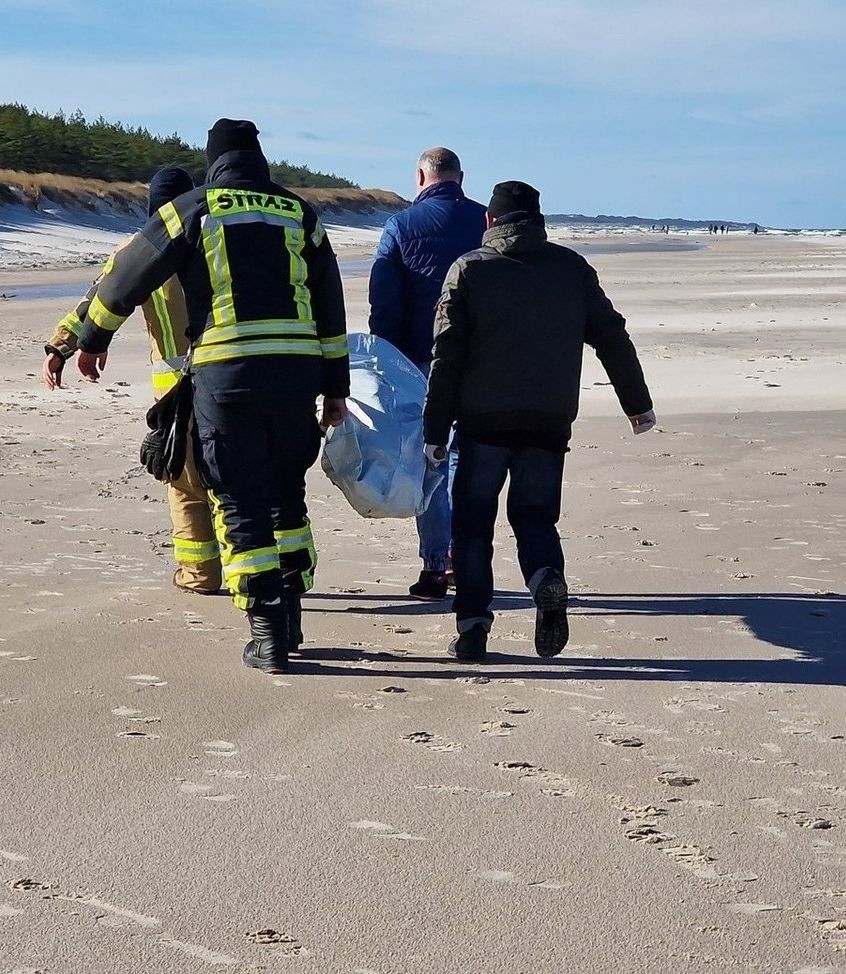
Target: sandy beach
668, 796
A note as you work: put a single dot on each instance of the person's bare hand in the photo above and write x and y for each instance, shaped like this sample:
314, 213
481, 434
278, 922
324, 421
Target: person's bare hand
91, 364
334, 412
51, 371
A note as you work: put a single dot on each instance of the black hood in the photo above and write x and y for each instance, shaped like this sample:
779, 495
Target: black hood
516, 233
239, 167
166, 185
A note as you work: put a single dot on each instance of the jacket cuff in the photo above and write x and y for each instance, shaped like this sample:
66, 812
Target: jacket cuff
61, 349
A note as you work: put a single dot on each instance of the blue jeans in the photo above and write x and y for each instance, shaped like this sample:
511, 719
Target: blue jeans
434, 526
534, 507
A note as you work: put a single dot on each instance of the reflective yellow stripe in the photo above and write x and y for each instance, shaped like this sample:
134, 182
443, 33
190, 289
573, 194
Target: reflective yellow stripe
251, 562
319, 234
241, 601
71, 323
234, 350
295, 242
171, 220
336, 347
189, 552
223, 302
222, 202
102, 317
271, 328
163, 314
293, 540
163, 381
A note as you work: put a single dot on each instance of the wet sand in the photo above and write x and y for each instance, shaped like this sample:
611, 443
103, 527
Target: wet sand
669, 795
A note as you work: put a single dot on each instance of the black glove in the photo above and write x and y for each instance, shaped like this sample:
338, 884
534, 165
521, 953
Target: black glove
153, 454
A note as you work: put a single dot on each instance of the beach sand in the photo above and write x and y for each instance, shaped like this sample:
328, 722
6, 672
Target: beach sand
668, 796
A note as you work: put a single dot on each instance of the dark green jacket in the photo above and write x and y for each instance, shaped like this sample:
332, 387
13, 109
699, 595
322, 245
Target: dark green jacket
510, 330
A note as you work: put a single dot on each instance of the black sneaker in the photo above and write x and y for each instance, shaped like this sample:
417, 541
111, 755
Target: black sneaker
470, 646
552, 631
431, 586
270, 628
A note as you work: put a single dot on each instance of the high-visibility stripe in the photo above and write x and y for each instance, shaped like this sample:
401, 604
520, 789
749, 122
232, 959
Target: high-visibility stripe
102, 317
241, 600
226, 202
271, 328
214, 247
163, 314
188, 552
235, 350
165, 381
256, 216
251, 562
318, 235
293, 540
295, 242
172, 222
335, 347
71, 323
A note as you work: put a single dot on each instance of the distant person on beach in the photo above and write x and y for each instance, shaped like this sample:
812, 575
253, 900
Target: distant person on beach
417, 248
267, 325
510, 330
195, 549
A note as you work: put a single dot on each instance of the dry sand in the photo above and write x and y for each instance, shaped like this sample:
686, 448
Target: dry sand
669, 796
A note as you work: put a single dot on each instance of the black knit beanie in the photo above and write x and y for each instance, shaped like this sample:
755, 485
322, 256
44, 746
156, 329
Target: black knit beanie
166, 185
514, 197
227, 135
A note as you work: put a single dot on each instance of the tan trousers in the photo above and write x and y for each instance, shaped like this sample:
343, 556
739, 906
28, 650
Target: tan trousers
194, 546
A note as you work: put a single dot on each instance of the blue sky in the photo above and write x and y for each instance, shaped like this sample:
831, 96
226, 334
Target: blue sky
725, 109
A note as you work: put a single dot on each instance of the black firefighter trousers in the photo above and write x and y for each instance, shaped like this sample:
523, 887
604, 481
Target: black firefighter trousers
255, 447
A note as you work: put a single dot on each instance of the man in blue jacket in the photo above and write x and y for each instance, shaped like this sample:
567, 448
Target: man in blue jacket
417, 248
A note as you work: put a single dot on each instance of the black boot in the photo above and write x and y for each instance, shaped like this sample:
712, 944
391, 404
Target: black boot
270, 628
552, 631
470, 646
295, 620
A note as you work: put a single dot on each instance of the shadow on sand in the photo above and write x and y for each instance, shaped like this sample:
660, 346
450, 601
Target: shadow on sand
811, 627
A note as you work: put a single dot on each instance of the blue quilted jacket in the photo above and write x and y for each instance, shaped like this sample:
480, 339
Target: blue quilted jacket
418, 247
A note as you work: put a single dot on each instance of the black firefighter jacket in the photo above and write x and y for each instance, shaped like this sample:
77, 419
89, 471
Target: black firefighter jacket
259, 275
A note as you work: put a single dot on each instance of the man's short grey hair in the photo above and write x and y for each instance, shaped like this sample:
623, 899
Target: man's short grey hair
439, 162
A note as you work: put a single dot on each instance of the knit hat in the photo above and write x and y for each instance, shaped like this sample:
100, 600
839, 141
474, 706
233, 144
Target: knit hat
227, 134
166, 185
514, 197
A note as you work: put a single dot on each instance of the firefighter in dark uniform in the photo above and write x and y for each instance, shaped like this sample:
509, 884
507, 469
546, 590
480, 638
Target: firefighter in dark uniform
268, 332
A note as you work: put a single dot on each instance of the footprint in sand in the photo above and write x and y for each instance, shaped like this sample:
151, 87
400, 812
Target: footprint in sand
506, 878
283, 943
136, 716
432, 741
497, 728
676, 780
563, 787
220, 749
206, 792
146, 680
138, 735
385, 831
464, 790
620, 741
750, 908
